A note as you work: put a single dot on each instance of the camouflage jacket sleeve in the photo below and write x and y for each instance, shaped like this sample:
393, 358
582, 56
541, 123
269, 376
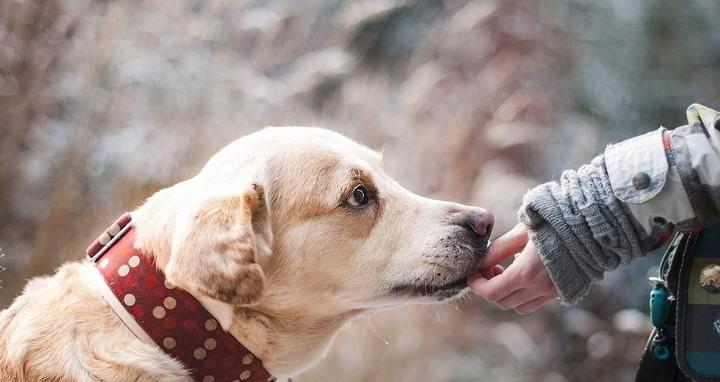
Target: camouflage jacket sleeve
626, 202
669, 178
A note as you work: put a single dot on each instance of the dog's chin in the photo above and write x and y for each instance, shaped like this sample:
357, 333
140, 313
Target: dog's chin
462, 261
437, 292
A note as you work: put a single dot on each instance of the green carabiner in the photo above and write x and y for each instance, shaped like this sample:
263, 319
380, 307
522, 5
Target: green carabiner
659, 304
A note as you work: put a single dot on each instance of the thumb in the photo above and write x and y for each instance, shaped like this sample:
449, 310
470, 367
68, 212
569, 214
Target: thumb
506, 245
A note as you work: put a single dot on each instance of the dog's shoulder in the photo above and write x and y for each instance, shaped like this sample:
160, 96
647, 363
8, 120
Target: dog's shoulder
61, 329
36, 328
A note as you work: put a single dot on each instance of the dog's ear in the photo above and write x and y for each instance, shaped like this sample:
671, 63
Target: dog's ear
215, 247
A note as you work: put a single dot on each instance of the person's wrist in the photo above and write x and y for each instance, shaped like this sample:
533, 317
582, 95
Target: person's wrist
570, 281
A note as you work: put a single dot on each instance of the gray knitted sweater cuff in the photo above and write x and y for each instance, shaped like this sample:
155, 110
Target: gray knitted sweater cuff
579, 228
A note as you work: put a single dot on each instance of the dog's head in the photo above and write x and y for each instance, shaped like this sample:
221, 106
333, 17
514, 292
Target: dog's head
308, 217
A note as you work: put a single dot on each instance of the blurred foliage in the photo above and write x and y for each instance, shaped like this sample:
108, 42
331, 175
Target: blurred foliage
102, 103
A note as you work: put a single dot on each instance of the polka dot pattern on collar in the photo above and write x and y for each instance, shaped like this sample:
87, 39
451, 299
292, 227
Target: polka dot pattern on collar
173, 318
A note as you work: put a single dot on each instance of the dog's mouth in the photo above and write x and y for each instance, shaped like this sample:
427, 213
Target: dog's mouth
446, 267
440, 291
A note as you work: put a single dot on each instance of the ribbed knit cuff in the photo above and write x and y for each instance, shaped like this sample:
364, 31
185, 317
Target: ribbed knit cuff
580, 229
569, 279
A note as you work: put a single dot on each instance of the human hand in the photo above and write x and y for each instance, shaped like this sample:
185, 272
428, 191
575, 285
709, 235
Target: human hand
524, 285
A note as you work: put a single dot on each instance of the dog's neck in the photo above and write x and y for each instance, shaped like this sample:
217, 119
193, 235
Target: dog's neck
285, 346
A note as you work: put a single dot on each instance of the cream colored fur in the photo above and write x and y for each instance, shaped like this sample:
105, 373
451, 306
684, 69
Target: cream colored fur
264, 237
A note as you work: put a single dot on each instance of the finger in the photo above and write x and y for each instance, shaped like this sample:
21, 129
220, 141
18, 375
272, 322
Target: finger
487, 273
535, 304
497, 270
519, 298
496, 288
506, 245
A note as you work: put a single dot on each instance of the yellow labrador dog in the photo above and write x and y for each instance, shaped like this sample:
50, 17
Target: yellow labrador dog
285, 235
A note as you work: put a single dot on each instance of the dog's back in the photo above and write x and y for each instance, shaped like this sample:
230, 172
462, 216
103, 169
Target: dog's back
9, 370
33, 328
61, 330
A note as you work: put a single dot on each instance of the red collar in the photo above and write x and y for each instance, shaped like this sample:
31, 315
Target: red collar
170, 317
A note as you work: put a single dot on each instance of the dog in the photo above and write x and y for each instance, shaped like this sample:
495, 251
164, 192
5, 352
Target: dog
284, 235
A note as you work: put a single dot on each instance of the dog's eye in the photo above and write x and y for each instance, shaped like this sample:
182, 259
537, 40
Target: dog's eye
360, 197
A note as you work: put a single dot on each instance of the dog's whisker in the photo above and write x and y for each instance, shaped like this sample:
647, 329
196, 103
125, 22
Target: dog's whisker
2, 268
383, 339
437, 317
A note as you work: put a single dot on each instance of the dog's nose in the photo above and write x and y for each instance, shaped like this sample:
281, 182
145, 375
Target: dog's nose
480, 221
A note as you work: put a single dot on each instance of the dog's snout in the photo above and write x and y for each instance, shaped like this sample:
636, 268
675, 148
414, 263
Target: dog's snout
480, 221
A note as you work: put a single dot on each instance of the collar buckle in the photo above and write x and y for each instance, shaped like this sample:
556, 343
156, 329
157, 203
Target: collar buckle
109, 237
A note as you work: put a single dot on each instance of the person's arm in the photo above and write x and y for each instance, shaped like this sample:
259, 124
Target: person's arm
683, 169
625, 203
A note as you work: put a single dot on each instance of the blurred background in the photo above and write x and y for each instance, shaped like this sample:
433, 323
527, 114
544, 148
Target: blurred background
103, 103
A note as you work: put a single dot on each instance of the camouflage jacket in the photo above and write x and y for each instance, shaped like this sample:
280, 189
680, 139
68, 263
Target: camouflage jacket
626, 202
669, 176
